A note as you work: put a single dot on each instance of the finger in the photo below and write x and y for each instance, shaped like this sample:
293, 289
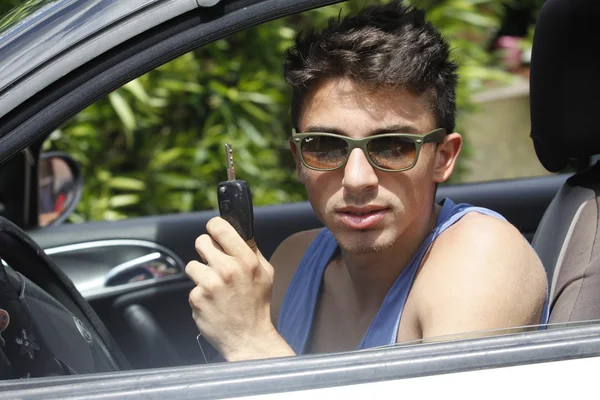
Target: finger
226, 235
216, 258
207, 283
233, 245
209, 250
195, 299
197, 271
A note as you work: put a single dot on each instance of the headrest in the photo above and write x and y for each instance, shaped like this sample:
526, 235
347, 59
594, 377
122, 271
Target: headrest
565, 82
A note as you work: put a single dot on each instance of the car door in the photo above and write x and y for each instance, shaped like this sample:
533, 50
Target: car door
152, 316
109, 261
468, 368
151, 320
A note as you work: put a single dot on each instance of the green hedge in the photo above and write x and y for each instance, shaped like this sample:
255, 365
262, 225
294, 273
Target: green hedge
156, 145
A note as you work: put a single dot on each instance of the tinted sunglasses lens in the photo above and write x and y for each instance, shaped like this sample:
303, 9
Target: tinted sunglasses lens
324, 152
392, 152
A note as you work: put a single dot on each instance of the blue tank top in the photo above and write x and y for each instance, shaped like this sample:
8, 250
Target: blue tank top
297, 310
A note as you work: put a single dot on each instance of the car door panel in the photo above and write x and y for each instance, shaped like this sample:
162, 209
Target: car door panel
151, 319
461, 369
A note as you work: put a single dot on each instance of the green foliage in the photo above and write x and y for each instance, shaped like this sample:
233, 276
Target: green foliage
468, 25
156, 145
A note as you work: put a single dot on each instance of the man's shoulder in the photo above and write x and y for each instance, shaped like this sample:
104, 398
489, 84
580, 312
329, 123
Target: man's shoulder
476, 229
482, 272
484, 237
285, 261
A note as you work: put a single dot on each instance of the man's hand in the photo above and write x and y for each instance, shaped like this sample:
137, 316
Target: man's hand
231, 300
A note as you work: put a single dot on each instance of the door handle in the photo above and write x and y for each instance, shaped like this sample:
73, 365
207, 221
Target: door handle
150, 266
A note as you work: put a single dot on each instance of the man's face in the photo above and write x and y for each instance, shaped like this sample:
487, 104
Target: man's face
367, 209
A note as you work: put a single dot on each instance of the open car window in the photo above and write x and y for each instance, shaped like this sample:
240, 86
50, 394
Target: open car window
165, 130
156, 144
154, 147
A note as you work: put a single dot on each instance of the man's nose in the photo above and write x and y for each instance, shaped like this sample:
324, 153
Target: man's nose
359, 175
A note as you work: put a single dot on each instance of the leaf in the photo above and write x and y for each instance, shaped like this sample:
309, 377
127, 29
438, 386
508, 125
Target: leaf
103, 175
177, 181
255, 111
126, 183
164, 158
218, 87
287, 32
201, 155
136, 88
258, 98
233, 94
76, 218
183, 202
111, 215
251, 132
475, 19
125, 114
83, 130
123, 200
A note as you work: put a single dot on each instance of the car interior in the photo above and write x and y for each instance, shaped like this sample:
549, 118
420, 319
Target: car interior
125, 279
564, 84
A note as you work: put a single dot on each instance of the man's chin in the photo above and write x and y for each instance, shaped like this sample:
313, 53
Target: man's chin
361, 243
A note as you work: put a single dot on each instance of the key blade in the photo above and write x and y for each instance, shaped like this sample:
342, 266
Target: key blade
230, 168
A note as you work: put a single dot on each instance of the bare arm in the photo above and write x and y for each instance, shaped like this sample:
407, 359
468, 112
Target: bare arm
481, 274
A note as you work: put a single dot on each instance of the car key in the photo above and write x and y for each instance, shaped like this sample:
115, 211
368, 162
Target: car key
235, 201
235, 206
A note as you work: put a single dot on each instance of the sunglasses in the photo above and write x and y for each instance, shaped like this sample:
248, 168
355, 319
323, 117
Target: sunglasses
392, 152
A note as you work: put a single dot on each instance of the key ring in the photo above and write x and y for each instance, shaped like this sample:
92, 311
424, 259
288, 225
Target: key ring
201, 349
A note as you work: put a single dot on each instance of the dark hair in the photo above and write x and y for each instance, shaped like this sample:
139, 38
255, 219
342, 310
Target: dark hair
389, 46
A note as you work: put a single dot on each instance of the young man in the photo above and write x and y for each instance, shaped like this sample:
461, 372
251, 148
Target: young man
374, 113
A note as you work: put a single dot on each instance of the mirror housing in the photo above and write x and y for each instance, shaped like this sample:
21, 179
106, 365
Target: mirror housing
59, 187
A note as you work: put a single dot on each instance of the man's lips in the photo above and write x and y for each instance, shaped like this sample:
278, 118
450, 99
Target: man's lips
361, 217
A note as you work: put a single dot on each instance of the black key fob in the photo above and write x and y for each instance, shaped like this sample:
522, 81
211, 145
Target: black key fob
235, 201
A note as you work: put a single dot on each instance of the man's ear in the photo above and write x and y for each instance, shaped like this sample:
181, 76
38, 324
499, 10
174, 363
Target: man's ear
446, 154
299, 165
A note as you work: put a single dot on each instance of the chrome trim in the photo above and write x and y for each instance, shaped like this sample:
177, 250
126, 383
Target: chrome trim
207, 3
96, 293
136, 263
92, 289
127, 265
69, 248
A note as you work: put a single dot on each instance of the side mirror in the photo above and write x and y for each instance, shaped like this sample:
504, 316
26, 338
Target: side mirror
59, 187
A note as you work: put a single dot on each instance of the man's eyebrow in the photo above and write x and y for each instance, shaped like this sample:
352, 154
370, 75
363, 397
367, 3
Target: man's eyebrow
398, 128
324, 129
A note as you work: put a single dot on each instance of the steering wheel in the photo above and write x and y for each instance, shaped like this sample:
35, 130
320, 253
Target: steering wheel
46, 326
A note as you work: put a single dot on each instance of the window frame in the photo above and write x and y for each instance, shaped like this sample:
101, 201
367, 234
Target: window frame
33, 119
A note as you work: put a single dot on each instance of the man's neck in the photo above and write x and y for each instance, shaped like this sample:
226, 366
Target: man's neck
371, 275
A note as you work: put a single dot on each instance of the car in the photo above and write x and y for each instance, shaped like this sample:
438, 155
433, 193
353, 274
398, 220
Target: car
101, 308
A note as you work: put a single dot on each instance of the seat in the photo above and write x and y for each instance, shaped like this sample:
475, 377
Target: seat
565, 129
